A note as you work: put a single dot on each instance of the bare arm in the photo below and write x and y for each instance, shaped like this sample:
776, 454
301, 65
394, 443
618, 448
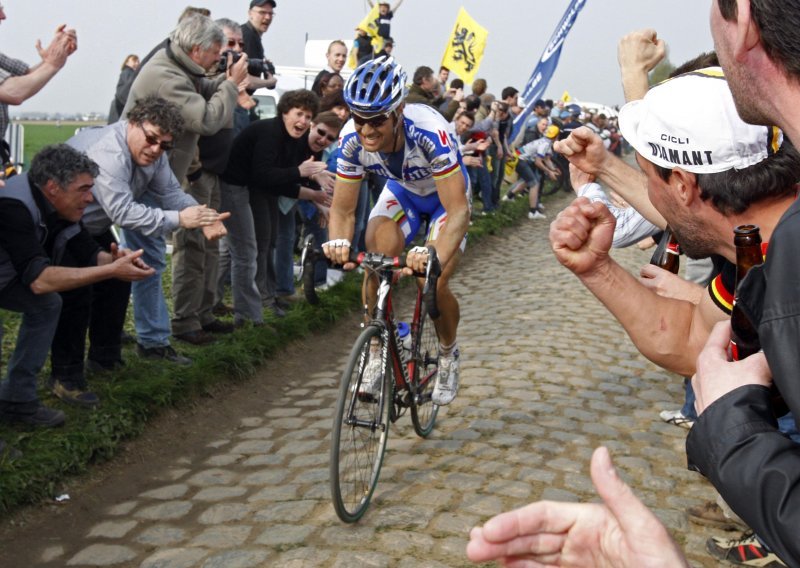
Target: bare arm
452, 194
62, 278
669, 285
667, 331
638, 53
342, 220
16, 90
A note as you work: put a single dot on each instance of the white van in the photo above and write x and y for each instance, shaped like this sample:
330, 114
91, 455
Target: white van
267, 99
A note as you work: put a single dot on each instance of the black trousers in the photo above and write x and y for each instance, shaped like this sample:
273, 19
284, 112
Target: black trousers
100, 309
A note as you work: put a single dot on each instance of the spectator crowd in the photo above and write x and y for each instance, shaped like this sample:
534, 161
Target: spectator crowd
185, 160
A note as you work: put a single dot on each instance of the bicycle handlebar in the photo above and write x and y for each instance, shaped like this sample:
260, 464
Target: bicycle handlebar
374, 261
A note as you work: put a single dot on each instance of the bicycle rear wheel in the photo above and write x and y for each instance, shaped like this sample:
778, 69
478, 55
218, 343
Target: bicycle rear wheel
426, 355
360, 426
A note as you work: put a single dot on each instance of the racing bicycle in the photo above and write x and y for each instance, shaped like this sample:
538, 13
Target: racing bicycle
405, 379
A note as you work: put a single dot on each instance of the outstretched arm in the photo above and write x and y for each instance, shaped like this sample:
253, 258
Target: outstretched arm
669, 332
16, 90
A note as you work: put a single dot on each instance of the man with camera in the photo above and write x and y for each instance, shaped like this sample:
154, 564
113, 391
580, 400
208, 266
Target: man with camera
177, 73
195, 260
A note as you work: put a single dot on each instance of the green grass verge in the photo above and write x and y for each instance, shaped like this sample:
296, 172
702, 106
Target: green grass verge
40, 134
133, 396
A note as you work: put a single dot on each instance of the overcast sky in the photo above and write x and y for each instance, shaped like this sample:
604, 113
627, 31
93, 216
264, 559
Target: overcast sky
518, 31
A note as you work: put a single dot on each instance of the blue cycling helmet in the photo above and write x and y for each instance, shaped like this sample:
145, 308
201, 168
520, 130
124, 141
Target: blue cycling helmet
574, 110
376, 87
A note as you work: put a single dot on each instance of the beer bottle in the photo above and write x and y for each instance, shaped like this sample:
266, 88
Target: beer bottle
744, 337
667, 255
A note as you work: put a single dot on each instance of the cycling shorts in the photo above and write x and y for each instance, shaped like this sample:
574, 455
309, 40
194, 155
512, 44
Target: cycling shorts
408, 209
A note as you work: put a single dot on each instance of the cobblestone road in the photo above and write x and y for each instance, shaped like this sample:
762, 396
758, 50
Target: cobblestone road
547, 376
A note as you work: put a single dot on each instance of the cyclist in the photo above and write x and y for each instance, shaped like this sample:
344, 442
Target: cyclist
410, 145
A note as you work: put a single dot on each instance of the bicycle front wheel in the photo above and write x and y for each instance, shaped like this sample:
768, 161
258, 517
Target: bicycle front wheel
361, 425
426, 357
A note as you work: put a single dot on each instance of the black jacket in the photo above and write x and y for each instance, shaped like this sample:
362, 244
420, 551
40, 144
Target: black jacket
265, 158
736, 443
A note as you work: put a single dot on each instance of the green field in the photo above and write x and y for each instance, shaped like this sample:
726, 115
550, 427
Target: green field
40, 134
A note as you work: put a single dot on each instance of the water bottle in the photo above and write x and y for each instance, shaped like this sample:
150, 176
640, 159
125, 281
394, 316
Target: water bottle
404, 341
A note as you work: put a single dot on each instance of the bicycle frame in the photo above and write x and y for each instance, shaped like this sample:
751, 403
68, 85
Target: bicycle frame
384, 316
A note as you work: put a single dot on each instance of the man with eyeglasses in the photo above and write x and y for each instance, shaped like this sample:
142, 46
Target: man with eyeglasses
177, 74
410, 145
136, 190
259, 18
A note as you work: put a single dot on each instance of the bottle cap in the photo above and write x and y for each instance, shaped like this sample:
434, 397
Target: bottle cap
403, 329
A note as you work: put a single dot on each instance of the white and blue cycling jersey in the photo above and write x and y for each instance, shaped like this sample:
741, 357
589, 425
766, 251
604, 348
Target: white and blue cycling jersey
430, 154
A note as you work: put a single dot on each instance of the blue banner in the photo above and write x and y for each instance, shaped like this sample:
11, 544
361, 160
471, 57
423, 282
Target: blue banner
547, 65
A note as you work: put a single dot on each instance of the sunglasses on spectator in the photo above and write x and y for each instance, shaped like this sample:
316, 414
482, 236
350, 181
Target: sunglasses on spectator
374, 122
327, 136
234, 43
154, 141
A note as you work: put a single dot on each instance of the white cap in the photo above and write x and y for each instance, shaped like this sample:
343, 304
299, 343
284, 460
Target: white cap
690, 122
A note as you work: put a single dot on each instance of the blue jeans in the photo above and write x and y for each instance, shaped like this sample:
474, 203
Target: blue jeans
787, 425
40, 315
284, 253
688, 402
150, 313
479, 177
243, 252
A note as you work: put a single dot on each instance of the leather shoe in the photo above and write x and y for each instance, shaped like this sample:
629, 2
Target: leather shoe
74, 392
32, 413
97, 367
162, 352
276, 309
218, 326
222, 310
197, 337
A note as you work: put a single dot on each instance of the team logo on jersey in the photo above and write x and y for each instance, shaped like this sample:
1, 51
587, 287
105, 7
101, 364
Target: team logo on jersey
443, 137
440, 162
392, 202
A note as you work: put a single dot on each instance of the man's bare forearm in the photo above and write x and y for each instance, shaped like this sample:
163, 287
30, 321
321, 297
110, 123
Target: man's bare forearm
659, 327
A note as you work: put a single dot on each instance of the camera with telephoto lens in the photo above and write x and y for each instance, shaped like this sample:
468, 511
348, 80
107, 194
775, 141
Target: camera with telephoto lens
260, 67
255, 67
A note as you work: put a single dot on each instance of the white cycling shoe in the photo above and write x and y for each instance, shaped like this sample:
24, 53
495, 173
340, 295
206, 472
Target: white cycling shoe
446, 385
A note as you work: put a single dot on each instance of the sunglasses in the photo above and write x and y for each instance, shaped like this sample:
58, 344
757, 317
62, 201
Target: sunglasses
234, 43
326, 135
154, 141
374, 122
